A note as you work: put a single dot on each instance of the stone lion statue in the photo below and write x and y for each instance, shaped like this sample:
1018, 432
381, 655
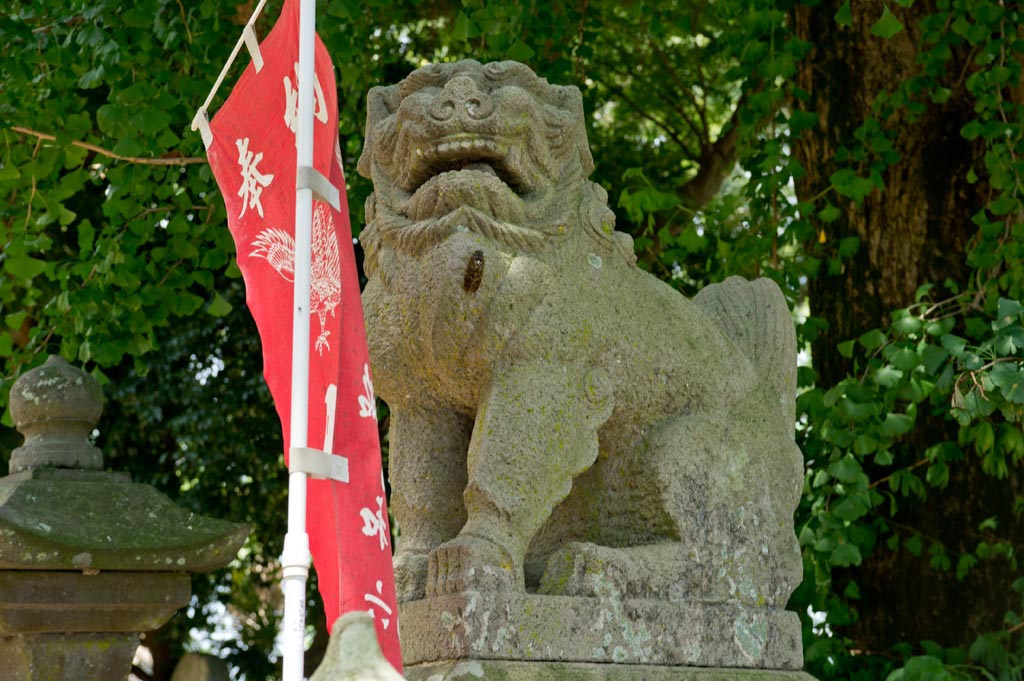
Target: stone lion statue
562, 421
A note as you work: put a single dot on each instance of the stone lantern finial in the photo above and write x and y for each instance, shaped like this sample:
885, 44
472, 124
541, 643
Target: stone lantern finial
55, 407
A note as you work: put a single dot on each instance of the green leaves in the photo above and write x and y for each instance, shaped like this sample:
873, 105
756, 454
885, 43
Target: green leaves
520, 51
218, 307
895, 425
873, 339
495, 31
887, 25
849, 184
24, 267
844, 17
846, 469
921, 668
1008, 312
851, 508
955, 345
859, 425
91, 78
829, 213
642, 202
846, 555
907, 325
85, 259
992, 650
464, 29
992, 371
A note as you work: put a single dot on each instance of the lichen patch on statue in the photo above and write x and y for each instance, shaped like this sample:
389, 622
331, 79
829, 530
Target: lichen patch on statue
562, 422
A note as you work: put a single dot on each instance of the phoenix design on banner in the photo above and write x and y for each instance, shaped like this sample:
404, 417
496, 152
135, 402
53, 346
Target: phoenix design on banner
277, 247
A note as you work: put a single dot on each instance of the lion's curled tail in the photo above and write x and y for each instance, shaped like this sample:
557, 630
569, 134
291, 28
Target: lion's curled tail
754, 315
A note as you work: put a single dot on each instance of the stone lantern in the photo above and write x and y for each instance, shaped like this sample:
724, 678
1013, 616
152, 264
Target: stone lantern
88, 559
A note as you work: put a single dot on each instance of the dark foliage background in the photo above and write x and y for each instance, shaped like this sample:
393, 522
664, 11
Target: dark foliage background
865, 155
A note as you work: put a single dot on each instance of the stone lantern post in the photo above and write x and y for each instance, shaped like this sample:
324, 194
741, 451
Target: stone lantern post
88, 559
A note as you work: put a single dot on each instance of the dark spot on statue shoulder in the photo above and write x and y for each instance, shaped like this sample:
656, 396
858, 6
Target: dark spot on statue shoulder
474, 272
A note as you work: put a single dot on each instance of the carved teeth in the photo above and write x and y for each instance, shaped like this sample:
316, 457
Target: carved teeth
494, 157
482, 168
481, 154
459, 146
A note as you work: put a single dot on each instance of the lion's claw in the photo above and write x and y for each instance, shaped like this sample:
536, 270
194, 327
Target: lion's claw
410, 576
469, 563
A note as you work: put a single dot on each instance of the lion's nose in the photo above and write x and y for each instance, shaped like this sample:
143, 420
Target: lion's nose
461, 95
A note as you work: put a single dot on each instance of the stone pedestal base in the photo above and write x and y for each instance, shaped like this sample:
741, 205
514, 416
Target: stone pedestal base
503, 670
67, 657
70, 626
609, 631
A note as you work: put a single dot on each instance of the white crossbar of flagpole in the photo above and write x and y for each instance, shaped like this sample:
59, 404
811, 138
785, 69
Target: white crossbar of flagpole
295, 558
196, 123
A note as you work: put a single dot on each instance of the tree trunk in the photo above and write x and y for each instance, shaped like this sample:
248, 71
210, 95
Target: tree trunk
913, 232
165, 657
917, 229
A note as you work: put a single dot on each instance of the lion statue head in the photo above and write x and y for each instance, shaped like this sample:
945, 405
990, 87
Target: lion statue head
493, 149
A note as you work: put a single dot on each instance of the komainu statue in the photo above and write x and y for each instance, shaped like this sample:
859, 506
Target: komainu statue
563, 423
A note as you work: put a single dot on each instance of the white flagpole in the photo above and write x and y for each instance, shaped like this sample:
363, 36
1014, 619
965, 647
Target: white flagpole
295, 557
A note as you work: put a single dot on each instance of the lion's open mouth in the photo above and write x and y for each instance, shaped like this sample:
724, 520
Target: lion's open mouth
460, 153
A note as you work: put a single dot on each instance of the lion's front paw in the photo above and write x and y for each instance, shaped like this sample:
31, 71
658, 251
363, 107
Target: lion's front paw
585, 569
469, 563
410, 576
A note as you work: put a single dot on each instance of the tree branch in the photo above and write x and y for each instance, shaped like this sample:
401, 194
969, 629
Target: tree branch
175, 161
630, 34
621, 94
716, 162
701, 107
916, 464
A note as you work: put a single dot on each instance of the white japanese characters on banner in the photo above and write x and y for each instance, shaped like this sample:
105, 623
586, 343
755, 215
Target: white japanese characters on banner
252, 153
291, 95
253, 181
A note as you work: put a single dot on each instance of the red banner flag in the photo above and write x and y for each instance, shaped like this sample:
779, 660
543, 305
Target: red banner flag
253, 156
